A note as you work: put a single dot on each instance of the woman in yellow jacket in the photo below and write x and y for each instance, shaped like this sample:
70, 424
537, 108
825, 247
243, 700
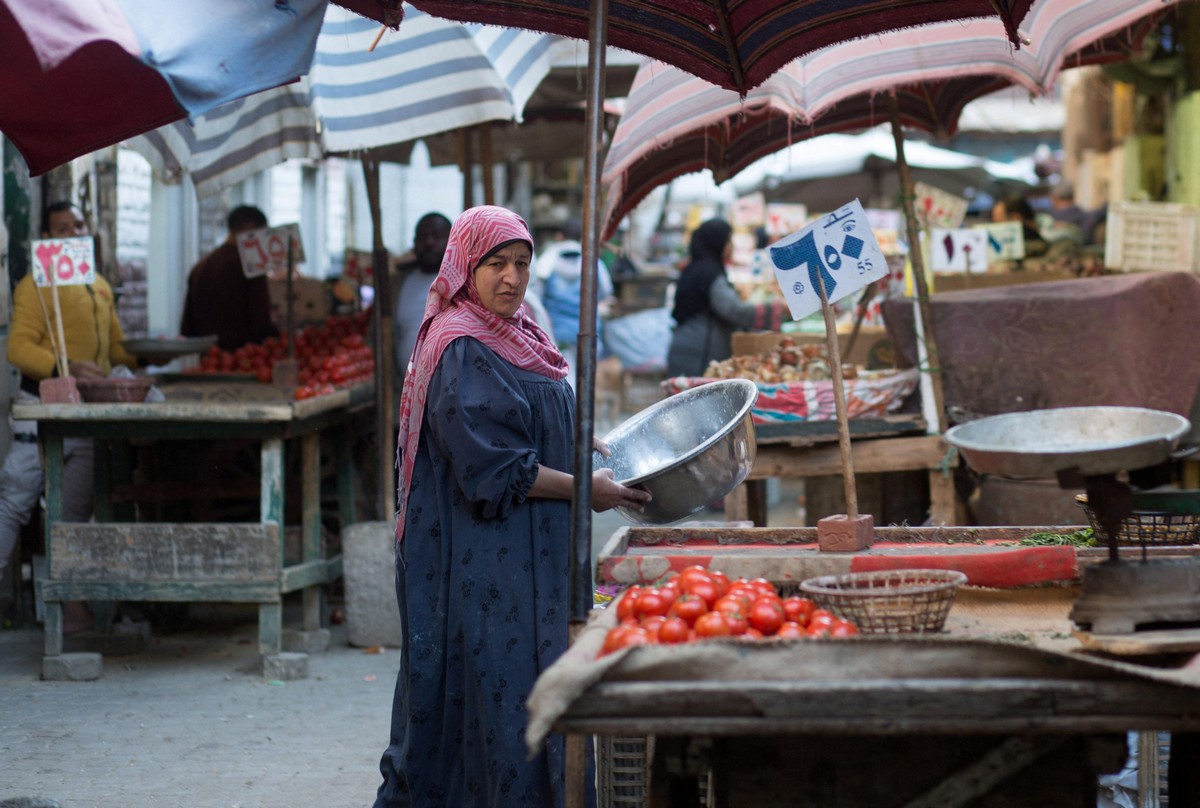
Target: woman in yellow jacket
94, 340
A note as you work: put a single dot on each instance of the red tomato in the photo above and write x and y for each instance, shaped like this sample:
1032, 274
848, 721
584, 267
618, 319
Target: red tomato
753, 634
703, 589
738, 625
649, 604
790, 631
695, 571
688, 607
669, 592
821, 629
711, 624
625, 604
821, 616
731, 604
798, 609
674, 630
764, 587
766, 615
652, 624
843, 628
721, 580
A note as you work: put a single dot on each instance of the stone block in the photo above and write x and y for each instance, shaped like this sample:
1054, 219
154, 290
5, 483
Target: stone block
286, 667
369, 579
306, 642
841, 534
77, 667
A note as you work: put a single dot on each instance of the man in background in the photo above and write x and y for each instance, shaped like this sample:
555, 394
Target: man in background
429, 245
221, 300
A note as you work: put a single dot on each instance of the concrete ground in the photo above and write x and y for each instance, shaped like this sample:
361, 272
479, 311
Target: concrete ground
189, 721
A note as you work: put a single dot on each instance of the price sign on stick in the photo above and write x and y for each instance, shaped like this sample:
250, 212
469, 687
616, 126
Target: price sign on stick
1005, 240
71, 260
936, 208
839, 248
265, 252
964, 250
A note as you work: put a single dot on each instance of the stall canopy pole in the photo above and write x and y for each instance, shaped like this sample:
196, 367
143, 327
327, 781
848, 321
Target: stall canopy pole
385, 438
907, 195
585, 363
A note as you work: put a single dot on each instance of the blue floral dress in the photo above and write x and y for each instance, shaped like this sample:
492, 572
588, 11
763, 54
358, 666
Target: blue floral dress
481, 579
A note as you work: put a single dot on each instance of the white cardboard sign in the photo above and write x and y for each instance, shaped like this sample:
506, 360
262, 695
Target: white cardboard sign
72, 260
937, 208
961, 250
839, 248
1006, 240
265, 251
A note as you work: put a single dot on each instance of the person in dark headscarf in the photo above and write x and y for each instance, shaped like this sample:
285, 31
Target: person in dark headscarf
707, 307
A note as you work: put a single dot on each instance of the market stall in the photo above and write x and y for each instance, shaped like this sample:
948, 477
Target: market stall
109, 560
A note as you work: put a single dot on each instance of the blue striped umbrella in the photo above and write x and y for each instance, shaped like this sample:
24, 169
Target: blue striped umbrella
430, 77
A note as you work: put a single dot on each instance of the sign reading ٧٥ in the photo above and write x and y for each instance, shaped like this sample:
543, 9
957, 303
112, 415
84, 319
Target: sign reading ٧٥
265, 251
71, 260
962, 250
1005, 240
839, 249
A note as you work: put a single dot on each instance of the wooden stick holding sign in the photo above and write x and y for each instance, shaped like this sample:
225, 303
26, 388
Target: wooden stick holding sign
833, 257
70, 262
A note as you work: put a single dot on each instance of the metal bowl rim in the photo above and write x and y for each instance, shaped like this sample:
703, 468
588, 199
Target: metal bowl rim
953, 435
721, 434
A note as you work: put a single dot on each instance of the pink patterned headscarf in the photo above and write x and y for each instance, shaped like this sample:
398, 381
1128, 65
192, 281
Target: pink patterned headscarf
454, 309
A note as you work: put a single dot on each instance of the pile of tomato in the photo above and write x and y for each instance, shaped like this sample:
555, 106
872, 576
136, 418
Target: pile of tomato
698, 604
329, 356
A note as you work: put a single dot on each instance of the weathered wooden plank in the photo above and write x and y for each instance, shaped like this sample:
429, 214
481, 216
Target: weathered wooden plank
883, 706
886, 454
164, 552
310, 573
177, 591
805, 433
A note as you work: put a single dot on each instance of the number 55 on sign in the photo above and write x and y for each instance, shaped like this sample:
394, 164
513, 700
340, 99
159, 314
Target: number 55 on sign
839, 248
72, 261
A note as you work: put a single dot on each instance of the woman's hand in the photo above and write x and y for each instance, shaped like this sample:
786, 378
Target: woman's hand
601, 447
607, 493
83, 369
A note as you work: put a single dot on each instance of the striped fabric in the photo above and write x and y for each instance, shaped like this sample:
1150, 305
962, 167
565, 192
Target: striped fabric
675, 123
735, 44
429, 77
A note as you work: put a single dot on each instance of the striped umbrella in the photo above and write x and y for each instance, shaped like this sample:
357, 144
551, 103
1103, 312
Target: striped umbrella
430, 77
79, 76
735, 44
675, 123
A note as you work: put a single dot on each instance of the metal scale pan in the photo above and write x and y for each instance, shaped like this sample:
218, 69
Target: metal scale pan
1092, 445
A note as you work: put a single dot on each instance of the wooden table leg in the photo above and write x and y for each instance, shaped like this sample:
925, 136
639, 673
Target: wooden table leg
270, 615
310, 520
52, 446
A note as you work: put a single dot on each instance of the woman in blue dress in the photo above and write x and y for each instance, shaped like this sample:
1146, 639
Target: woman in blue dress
485, 452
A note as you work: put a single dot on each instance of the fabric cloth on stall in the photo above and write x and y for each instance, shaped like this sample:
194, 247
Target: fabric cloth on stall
1122, 340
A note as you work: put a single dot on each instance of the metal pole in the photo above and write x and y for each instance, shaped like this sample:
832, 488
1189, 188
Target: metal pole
585, 362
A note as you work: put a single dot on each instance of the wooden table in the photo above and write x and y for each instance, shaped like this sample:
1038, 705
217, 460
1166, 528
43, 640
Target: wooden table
108, 560
873, 723
810, 449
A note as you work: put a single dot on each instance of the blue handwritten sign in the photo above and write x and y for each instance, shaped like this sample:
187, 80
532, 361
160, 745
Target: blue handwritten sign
838, 250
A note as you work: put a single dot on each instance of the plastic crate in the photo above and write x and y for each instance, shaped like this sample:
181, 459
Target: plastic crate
620, 772
1152, 236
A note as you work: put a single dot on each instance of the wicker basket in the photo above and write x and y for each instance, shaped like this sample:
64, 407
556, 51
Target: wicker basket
889, 601
114, 389
1157, 519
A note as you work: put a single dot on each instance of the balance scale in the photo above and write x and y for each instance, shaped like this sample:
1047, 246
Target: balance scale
1119, 595
1090, 447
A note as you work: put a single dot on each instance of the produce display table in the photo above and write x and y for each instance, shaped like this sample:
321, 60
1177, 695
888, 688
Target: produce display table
107, 560
810, 449
1002, 708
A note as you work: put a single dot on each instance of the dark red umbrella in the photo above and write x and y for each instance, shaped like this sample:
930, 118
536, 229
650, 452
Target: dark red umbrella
734, 44
76, 77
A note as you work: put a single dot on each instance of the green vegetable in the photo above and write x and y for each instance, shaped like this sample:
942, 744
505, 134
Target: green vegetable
1080, 538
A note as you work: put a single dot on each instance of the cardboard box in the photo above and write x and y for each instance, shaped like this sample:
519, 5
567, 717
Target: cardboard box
310, 301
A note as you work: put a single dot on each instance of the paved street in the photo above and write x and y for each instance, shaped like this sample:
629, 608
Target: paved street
188, 722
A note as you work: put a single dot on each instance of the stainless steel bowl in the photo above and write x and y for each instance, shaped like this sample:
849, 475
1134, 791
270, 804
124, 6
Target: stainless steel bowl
687, 450
1089, 440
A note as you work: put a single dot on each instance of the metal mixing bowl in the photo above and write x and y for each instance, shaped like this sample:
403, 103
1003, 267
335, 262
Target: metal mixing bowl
687, 450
